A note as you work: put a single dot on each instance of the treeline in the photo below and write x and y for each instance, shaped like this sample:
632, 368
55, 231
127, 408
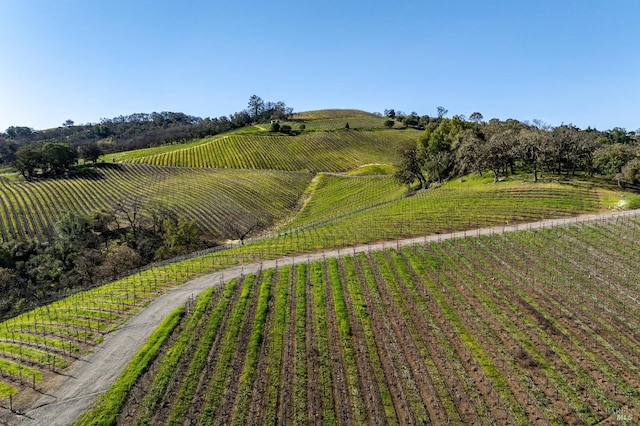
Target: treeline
140, 130
89, 250
451, 147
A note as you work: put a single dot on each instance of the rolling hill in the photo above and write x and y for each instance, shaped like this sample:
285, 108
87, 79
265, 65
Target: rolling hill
530, 326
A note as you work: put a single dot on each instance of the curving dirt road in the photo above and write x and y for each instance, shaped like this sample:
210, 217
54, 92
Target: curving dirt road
92, 375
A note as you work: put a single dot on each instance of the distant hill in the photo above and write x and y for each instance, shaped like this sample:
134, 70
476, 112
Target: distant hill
324, 114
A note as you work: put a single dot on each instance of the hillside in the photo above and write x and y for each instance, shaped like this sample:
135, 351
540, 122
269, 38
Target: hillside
331, 114
222, 202
335, 151
324, 187
509, 339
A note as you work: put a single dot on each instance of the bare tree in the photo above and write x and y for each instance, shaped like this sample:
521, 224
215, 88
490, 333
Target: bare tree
131, 212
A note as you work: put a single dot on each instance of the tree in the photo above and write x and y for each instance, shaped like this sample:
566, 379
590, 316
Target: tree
255, 106
20, 132
411, 120
630, 173
180, 236
285, 128
58, 158
610, 159
90, 152
346, 126
28, 159
241, 231
408, 168
442, 112
530, 146
495, 155
119, 259
391, 113
437, 144
468, 156
7, 151
275, 127
564, 145
389, 123
133, 216
68, 123
476, 117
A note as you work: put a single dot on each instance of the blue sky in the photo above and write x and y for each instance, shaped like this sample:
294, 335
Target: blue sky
562, 61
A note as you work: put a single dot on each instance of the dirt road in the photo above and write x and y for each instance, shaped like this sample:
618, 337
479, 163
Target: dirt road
92, 375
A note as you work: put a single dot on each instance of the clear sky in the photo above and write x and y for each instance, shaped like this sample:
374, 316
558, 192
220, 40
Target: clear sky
560, 61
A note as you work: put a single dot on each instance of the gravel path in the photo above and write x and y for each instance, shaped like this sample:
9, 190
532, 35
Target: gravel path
92, 375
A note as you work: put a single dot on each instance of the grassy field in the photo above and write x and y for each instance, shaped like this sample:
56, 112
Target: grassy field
476, 330
331, 114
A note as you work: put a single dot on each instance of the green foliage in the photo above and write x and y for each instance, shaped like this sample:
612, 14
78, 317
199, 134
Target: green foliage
90, 152
610, 159
409, 169
373, 170
285, 128
28, 158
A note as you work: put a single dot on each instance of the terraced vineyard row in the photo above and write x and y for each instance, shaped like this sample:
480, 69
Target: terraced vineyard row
146, 152
318, 151
331, 196
530, 327
44, 341
219, 200
323, 224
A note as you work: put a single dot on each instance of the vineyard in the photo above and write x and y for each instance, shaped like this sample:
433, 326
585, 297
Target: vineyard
344, 211
220, 201
339, 211
537, 326
529, 327
311, 152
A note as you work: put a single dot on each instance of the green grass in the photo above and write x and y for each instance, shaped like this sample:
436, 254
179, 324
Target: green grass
333, 196
335, 218
372, 169
220, 374
108, 406
245, 388
355, 123
177, 353
328, 114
